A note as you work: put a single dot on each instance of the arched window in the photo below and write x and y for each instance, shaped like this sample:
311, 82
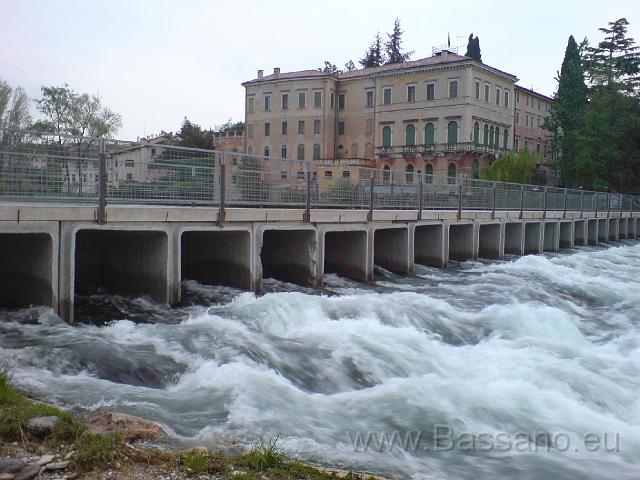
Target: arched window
497, 144
354, 150
476, 134
340, 151
409, 173
368, 151
491, 136
475, 169
316, 151
505, 139
486, 135
250, 150
283, 151
410, 136
428, 170
386, 136
301, 152
452, 133
386, 174
266, 151
429, 134
451, 173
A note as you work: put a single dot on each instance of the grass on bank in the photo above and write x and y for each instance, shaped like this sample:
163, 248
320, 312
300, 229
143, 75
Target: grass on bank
97, 452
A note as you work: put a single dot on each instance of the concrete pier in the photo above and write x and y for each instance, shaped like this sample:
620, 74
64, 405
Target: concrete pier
490, 241
603, 230
592, 231
580, 233
513, 238
532, 238
345, 250
461, 242
613, 229
428, 245
623, 229
633, 228
550, 237
566, 235
391, 248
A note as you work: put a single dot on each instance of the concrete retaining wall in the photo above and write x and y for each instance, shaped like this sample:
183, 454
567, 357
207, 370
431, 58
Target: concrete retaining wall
513, 238
490, 241
345, 251
532, 237
428, 245
391, 248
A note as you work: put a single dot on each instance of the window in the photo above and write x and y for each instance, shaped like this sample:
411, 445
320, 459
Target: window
453, 89
332, 103
409, 174
518, 97
429, 134
369, 99
452, 132
506, 99
491, 135
526, 120
300, 175
250, 104
285, 127
410, 135
285, 101
505, 139
386, 174
477, 90
517, 118
316, 151
411, 93
300, 152
267, 103
428, 170
497, 142
368, 126
300, 127
451, 173
354, 150
340, 151
386, 96
316, 127
346, 174
476, 134
341, 101
516, 144
283, 151
317, 99
386, 136
431, 91
283, 174
302, 100
153, 151
475, 169
129, 176
537, 148
267, 129
128, 163
486, 135
250, 150
340, 128
266, 151
497, 96
527, 99
486, 93
250, 130
538, 122
328, 173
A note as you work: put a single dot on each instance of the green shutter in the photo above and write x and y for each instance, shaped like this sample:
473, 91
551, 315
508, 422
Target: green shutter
429, 134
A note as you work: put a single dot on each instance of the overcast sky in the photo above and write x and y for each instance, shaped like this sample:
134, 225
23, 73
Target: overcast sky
158, 61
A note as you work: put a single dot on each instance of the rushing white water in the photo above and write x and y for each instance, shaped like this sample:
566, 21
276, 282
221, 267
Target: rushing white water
537, 352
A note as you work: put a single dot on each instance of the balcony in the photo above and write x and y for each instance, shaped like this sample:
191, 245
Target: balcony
428, 150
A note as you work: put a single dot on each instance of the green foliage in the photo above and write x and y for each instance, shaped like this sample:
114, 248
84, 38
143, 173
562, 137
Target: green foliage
192, 135
374, 56
473, 48
513, 167
250, 181
233, 126
342, 191
200, 461
263, 456
329, 68
393, 46
99, 451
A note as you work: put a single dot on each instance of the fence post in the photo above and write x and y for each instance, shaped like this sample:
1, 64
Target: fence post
493, 204
621, 199
544, 203
420, 179
221, 212
564, 213
582, 204
372, 175
307, 206
102, 184
608, 204
460, 201
521, 200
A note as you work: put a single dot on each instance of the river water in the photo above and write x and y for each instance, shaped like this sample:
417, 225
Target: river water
524, 368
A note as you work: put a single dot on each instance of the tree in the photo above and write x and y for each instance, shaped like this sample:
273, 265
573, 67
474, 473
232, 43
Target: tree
513, 167
5, 98
350, 66
393, 46
473, 48
329, 68
14, 107
374, 56
233, 126
192, 135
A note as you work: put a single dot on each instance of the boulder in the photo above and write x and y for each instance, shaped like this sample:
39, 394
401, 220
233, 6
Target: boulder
28, 473
132, 428
11, 465
42, 426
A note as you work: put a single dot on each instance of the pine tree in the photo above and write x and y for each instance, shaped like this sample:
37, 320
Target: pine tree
350, 66
393, 46
473, 48
373, 57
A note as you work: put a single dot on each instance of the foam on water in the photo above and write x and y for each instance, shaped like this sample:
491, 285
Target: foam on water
538, 344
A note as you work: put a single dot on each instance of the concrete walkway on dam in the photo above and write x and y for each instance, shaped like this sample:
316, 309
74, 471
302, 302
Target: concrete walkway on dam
50, 253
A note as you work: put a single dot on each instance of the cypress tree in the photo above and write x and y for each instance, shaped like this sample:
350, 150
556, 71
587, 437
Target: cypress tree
393, 46
374, 56
473, 48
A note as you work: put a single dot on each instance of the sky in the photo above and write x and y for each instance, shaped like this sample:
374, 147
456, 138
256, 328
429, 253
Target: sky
157, 61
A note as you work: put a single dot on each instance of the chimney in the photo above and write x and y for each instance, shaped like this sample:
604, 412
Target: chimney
276, 71
260, 74
445, 53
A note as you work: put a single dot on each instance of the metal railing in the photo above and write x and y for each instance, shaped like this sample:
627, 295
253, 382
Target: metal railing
48, 168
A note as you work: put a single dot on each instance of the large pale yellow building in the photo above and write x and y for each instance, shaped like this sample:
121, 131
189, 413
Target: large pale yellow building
445, 115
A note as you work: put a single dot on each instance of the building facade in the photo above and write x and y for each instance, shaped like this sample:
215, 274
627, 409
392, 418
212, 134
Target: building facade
444, 115
531, 112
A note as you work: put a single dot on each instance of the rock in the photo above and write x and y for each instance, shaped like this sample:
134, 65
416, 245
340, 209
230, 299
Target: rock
11, 465
70, 476
7, 476
133, 428
70, 455
42, 426
28, 473
57, 465
43, 460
